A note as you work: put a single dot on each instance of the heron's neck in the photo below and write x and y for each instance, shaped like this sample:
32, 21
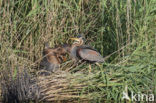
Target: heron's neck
78, 43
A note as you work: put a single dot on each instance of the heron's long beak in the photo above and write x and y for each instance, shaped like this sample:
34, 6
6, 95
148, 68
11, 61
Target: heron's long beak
76, 39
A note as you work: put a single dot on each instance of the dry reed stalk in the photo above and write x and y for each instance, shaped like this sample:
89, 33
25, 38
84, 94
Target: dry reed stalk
59, 86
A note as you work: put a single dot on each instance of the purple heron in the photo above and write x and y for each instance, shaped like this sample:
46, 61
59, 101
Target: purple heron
79, 51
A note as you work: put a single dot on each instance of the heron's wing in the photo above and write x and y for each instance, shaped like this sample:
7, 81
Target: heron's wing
87, 47
90, 55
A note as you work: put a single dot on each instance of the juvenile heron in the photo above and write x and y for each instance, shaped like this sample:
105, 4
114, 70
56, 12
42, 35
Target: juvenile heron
78, 51
52, 58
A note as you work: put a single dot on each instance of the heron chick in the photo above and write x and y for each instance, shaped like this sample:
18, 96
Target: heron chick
52, 58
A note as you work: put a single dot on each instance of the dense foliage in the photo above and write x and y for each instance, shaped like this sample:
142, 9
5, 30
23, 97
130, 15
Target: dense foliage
123, 31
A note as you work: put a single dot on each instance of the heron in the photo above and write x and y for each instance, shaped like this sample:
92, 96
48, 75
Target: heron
52, 57
79, 51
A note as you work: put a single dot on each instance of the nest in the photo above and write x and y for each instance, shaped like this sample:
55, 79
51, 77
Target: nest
60, 86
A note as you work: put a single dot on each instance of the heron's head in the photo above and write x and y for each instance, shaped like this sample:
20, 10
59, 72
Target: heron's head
78, 41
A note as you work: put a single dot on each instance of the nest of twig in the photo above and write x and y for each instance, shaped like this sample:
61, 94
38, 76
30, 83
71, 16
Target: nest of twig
60, 86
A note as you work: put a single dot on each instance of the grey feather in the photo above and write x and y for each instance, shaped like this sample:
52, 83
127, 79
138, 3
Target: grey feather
84, 54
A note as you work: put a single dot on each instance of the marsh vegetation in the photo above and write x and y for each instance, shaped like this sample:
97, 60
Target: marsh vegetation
123, 31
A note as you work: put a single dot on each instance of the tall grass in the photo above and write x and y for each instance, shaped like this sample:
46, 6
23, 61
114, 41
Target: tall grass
123, 31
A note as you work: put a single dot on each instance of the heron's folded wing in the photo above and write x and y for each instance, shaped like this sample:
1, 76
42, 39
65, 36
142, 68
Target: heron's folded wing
90, 55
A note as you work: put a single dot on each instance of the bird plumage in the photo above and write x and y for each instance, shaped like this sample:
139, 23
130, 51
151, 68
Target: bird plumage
52, 58
84, 52
89, 54
79, 51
